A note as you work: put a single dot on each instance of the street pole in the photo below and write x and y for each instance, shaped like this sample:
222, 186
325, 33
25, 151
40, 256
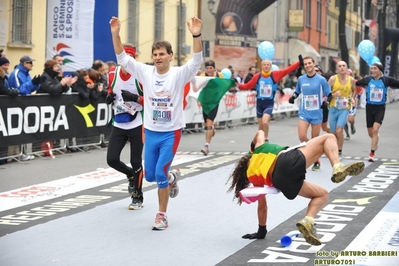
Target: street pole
180, 34
381, 27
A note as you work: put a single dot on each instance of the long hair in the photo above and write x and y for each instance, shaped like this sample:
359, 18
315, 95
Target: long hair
239, 177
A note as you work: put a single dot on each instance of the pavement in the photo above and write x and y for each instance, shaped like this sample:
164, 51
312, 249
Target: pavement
72, 210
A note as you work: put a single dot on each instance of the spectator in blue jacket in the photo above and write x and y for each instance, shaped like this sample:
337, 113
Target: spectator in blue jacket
20, 78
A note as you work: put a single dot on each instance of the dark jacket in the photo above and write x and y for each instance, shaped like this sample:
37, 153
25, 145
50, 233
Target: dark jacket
80, 86
4, 88
51, 84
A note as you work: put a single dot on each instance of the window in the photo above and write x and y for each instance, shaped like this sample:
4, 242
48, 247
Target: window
357, 38
355, 6
326, 16
159, 20
349, 38
337, 4
319, 15
300, 4
336, 35
309, 13
329, 32
21, 30
133, 23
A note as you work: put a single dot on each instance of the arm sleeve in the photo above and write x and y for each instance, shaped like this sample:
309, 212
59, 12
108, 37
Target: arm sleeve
298, 87
53, 89
251, 84
27, 87
278, 75
326, 87
391, 82
363, 82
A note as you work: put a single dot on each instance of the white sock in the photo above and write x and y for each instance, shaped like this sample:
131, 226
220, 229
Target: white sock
172, 178
310, 219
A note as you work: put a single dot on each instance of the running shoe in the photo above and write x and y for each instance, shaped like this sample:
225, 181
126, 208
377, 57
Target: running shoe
137, 201
174, 188
316, 166
309, 232
205, 150
340, 171
371, 157
161, 222
26, 157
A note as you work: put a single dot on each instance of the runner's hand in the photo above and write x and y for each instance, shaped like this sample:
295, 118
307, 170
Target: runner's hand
128, 96
110, 98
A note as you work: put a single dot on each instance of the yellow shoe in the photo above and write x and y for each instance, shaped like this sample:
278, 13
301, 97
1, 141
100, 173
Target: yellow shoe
308, 231
340, 171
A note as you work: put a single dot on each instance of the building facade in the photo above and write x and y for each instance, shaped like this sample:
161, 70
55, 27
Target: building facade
23, 25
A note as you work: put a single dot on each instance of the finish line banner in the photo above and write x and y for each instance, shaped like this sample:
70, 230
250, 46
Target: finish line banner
36, 118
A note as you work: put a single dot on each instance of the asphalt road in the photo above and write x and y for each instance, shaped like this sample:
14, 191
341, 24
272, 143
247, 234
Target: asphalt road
234, 139
72, 210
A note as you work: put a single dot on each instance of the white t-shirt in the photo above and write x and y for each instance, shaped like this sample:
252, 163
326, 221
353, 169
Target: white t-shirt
121, 106
163, 93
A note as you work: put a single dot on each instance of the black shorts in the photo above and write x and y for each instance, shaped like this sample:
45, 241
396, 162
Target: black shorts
374, 114
211, 115
289, 173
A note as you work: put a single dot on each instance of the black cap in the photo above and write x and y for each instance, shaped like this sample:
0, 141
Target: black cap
319, 67
210, 63
379, 65
3, 61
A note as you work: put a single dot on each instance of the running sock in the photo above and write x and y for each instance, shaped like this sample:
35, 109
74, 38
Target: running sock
262, 229
310, 219
163, 213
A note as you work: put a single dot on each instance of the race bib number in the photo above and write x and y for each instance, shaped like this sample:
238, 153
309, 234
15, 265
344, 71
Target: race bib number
266, 91
376, 94
341, 103
124, 107
162, 116
311, 102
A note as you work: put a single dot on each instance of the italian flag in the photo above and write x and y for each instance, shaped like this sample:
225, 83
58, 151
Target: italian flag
211, 90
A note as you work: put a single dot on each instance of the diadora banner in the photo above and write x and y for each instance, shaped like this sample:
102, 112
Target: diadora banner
390, 57
79, 31
36, 118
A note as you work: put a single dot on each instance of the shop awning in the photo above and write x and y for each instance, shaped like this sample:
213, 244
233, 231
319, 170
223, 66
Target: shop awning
354, 62
336, 59
298, 47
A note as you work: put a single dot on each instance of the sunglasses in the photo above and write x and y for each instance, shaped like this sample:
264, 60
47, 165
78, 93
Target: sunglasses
29, 62
317, 70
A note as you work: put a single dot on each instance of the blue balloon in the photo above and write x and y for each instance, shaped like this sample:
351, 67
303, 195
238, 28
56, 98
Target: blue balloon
275, 67
366, 49
266, 50
373, 60
226, 73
